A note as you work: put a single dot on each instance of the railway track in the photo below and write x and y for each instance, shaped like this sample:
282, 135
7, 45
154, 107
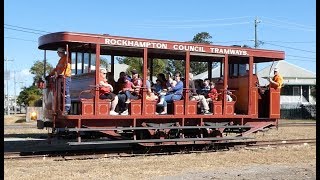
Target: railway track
85, 154
297, 124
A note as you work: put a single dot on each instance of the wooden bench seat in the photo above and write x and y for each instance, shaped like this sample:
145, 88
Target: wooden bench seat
216, 107
83, 106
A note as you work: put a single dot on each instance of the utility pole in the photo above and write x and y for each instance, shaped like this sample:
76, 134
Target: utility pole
15, 97
256, 21
7, 84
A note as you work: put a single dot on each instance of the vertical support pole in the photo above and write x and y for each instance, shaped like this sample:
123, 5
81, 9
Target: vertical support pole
151, 69
96, 97
144, 90
15, 97
112, 65
225, 83
134, 131
78, 133
44, 63
301, 93
89, 64
210, 70
250, 84
187, 70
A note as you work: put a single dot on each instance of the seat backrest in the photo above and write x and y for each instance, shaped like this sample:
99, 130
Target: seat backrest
80, 83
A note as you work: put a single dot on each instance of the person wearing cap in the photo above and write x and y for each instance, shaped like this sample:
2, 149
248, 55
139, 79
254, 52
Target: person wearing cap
105, 91
277, 80
63, 68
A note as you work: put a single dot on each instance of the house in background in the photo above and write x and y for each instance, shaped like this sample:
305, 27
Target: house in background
298, 83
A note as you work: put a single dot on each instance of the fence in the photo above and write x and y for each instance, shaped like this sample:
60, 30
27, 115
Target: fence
298, 111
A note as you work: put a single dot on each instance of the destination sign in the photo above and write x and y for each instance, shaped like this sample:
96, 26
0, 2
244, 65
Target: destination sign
174, 46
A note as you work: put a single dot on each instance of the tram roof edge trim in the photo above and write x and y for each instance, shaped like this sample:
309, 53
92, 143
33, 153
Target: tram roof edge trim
53, 40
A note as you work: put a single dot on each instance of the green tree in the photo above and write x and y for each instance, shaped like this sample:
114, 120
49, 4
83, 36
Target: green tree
200, 67
30, 96
137, 63
202, 37
104, 62
38, 68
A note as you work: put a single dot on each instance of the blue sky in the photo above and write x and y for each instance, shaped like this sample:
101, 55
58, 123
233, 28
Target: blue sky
287, 25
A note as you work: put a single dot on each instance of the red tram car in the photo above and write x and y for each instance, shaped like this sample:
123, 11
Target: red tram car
250, 111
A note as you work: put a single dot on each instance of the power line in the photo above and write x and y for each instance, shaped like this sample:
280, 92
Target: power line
281, 26
301, 57
20, 39
292, 59
291, 23
290, 47
26, 28
292, 41
23, 31
207, 20
187, 26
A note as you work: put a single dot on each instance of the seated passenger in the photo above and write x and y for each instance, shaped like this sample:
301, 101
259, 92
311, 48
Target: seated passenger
150, 94
206, 88
229, 98
213, 93
111, 79
174, 93
105, 91
158, 87
193, 96
161, 77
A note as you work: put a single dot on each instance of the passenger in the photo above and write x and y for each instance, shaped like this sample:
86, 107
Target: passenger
229, 98
158, 87
174, 93
120, 83
206, 88
105, 91
169, 80
130, 91
161, 77
198, 84
213, 93
63, 68
110, 79
193, 96
150, 95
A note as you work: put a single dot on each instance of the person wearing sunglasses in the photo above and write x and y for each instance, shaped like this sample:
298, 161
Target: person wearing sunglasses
105, 91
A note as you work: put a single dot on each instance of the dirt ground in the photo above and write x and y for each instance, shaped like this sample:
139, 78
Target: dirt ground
287, 162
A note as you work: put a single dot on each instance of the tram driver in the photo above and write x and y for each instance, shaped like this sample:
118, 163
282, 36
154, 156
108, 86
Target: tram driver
63, 69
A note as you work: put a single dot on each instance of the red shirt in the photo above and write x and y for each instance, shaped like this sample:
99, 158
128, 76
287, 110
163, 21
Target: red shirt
127, 85
213, 94
103, 89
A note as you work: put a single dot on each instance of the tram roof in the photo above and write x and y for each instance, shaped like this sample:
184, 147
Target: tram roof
129, 46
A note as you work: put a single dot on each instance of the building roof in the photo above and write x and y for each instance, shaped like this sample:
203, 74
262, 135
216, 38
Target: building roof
215, 73
117, 69
292, 74
287, 70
